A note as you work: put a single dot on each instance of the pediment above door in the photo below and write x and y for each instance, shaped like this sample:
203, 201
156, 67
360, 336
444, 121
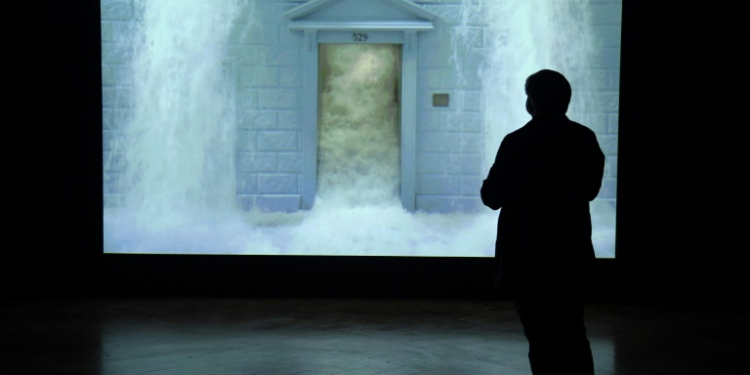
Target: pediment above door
370, 15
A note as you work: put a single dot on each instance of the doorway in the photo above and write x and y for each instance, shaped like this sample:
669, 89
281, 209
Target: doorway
359, 123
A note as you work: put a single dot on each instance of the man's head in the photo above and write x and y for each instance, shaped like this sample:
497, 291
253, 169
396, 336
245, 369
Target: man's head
549, 93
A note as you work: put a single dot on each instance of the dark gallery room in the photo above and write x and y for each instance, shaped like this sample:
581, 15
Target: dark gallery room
197, 196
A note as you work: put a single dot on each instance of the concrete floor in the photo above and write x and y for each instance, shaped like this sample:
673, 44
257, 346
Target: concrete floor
350, 337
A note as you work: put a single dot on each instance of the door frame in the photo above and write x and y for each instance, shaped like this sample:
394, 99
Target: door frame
309, 113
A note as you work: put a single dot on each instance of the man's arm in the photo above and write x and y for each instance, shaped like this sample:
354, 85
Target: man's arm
494, 189
595, 168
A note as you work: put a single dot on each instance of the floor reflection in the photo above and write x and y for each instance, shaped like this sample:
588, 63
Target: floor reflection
346, 336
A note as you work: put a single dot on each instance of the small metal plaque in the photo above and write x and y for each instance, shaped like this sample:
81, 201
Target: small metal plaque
440, 100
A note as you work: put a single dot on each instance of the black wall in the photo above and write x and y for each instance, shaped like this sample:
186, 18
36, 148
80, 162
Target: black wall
679, 192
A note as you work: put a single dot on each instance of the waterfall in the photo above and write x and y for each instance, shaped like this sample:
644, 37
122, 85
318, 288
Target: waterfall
178, 145
522, 37
517, 39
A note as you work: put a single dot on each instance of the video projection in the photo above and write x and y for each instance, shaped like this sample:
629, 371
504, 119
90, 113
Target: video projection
335, 127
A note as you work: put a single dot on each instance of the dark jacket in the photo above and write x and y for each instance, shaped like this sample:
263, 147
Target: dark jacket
544, 176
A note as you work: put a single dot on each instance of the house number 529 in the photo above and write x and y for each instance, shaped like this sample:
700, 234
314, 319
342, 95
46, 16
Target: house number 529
359, 37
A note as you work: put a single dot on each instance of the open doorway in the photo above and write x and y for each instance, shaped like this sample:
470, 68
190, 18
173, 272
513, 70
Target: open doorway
359, 123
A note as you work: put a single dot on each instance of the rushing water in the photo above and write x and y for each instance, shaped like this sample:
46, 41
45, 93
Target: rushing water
519, 38
179, 144
358, 127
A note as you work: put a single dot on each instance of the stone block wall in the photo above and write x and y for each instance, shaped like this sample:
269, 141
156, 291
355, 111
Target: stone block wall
607, 23
450, 144
118, 25
265, 57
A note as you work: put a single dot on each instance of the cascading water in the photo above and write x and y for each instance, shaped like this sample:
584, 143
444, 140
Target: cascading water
520, 38
358, 146
178, 146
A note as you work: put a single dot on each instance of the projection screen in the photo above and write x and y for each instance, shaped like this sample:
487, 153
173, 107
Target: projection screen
345, 127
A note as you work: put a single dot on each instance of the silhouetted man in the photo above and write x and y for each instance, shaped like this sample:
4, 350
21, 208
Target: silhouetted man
543, 178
